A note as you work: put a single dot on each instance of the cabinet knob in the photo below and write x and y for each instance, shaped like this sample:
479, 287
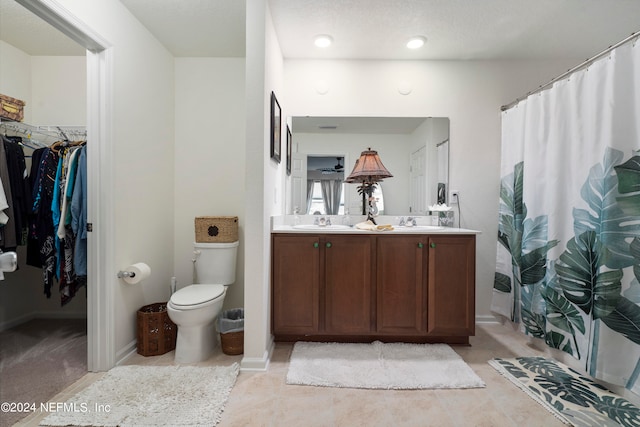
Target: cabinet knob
433, 245
328, 244
315, 244
420, 245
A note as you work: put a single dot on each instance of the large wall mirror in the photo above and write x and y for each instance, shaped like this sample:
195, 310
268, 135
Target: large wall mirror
414, 149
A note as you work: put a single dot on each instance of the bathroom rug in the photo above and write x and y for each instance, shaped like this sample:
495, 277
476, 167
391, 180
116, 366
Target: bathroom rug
149, 396
380, 365
572, 397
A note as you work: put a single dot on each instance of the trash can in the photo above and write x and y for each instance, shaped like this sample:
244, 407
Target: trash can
231, 328
156, 332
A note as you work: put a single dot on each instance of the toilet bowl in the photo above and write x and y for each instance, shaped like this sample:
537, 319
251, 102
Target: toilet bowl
194, 308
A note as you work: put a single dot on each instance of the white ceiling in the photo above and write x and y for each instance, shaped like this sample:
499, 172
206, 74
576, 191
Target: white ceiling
366, 29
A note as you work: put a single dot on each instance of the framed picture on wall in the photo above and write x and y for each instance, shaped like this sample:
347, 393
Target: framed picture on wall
276, 121
289, 143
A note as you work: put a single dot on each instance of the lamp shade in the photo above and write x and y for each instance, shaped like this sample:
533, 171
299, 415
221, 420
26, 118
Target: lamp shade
368, 168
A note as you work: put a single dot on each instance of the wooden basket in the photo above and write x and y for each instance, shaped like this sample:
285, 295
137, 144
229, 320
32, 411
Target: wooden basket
216, 229
11, 108
232, 343
156, 332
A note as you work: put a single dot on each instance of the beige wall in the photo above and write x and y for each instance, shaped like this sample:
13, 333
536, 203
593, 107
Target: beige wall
209, 156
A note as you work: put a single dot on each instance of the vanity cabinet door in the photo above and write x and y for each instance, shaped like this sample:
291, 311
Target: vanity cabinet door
401, 283
295, 284
451, 285
348, 284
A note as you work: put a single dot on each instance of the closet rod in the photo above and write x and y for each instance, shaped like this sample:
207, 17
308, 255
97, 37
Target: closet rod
48, 131
571, 71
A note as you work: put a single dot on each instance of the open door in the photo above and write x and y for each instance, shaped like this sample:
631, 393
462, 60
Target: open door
418, 182
299, 182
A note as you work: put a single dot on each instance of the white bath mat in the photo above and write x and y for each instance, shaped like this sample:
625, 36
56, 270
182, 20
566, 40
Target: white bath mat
150, 396
380, 366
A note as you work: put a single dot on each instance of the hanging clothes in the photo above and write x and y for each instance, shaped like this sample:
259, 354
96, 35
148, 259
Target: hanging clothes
8, 232
33, 248
58, 226
20, 189
79, 214
69, 280
43, 224
4, 204
46, 208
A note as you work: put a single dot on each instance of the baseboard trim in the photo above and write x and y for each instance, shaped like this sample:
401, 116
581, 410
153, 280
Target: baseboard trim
255, 364
8, 324
487, 319
61, 315
125, 352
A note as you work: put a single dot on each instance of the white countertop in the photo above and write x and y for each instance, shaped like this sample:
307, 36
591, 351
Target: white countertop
354, 230
303, 224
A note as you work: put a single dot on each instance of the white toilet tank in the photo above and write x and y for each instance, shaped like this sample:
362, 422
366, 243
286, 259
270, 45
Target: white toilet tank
215, 262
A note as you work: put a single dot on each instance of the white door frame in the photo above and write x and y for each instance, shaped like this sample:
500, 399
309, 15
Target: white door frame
100, 244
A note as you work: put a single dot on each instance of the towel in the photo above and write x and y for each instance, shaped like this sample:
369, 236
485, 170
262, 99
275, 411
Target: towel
370, 226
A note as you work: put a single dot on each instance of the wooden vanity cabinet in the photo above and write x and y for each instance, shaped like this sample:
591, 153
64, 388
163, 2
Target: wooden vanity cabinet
401, 284
321, 284
451, 285
348, 285
295, 284
403, 287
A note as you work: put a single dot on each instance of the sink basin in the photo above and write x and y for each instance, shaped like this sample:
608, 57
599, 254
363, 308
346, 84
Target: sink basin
418, 227
321, 227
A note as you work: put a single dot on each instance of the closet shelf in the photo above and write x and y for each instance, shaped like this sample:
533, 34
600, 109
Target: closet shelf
44, 135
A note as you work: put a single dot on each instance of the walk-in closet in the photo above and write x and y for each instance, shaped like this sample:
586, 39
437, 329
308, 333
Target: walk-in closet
43, 304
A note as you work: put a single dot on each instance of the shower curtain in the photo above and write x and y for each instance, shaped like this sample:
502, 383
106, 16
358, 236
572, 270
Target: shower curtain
568, 261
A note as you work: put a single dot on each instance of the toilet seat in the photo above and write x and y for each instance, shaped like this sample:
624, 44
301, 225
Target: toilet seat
194, 295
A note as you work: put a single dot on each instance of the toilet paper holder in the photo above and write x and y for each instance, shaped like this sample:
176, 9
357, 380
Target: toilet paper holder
135, 273
123, 274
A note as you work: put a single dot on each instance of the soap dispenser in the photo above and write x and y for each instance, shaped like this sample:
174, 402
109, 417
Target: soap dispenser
296, 216
347, 218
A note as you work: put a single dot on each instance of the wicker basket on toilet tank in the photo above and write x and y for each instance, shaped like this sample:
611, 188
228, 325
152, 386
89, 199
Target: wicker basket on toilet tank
216, 229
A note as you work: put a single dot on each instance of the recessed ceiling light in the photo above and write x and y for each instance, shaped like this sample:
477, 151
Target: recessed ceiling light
323, 40
416, 42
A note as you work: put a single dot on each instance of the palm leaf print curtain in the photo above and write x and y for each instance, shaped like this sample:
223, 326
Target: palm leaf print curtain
568, 261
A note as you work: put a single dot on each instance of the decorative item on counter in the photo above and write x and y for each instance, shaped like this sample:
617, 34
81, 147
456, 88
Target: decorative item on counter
369, 225
440, 207
444, 214
368, 171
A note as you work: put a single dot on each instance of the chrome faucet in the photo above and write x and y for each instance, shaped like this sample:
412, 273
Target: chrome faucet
322, 221
408, 222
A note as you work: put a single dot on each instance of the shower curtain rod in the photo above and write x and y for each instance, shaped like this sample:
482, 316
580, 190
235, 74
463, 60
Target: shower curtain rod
571, 70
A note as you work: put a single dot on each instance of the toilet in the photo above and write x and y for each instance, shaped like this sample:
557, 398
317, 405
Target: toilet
195, 308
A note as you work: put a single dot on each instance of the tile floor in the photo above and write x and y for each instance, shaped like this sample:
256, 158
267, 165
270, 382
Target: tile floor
263, 398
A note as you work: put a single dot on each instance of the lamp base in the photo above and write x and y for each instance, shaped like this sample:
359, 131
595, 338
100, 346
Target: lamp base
370, 218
